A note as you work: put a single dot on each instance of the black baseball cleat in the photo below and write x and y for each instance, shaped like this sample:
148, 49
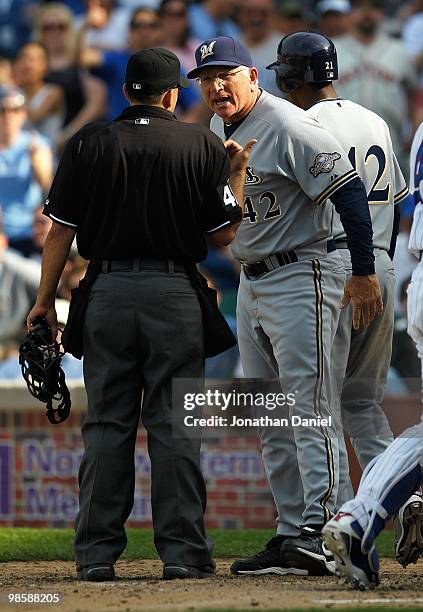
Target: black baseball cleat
100, 572
308, 551
173, 571
267, 561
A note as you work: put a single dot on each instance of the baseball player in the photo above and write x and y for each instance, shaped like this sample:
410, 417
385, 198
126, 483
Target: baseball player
291, 287
387, 483
415, 245
362, 356
390, 479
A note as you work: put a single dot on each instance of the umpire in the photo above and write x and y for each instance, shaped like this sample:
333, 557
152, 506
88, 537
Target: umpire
143, 194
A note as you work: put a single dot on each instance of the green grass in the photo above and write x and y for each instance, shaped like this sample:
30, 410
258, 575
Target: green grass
24, 544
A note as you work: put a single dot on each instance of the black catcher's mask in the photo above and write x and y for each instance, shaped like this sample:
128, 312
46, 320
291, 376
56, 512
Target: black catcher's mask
40, 358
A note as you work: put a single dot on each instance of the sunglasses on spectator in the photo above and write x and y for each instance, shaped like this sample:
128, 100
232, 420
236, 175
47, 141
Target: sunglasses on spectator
61, 26
177, 14
9, 109
143, 25
257, 11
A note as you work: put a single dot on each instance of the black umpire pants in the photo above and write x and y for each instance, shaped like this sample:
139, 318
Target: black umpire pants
143, 327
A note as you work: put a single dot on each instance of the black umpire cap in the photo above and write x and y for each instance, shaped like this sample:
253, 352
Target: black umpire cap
153, 71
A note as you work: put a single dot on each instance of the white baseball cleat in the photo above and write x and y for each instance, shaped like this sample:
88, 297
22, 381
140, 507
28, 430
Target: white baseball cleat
343, 536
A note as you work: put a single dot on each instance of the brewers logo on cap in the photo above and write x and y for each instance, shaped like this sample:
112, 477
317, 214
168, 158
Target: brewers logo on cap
207, 50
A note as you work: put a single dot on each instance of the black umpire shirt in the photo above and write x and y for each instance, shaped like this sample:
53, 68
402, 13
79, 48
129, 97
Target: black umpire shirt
144, 185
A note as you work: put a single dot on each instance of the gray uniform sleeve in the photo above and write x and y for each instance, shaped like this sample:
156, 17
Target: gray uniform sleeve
310, 155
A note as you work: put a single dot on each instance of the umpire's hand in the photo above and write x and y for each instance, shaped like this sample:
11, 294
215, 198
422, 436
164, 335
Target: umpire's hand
364, 291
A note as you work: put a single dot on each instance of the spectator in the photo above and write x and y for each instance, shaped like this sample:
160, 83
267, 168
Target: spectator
25, 169
73, 272
77, 7
19, 279
104, 25
413, 39
374, 71
177, 32
45, 102
144, 32
41, 225
85, 95
6, 74
291, 16
333, 17
213, 18
256, 19
16, 17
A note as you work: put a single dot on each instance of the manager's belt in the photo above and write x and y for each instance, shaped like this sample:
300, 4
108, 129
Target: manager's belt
342, 244
277, 260
136, 264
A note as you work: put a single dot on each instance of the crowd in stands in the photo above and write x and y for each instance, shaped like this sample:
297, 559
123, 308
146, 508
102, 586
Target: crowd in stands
62, 66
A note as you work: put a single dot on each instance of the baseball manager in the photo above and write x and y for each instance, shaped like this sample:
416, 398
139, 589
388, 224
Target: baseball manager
291, 287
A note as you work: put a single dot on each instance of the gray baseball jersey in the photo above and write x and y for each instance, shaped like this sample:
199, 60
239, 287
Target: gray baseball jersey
366, 138
294, 167
287, 317
362, 358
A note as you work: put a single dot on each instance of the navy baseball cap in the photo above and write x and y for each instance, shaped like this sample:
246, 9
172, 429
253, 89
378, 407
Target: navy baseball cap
152, 71
220, 51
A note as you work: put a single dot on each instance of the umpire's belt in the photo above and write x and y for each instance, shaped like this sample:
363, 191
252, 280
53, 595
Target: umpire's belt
137, 264
276, 260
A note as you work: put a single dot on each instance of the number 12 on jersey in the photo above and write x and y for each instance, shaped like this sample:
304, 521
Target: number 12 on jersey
377, 195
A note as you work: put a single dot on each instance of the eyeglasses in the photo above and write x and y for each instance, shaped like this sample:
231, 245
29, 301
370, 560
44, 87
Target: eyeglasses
144, 25
49, 27
220, 78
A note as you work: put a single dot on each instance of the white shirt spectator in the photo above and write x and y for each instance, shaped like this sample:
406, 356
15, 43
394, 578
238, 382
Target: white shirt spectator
263, 55
412, 36
377, 75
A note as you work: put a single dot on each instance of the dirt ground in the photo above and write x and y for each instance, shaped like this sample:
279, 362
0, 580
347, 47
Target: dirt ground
139, 588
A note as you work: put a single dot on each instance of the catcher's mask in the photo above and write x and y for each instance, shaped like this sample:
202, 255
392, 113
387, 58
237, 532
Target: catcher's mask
40, 358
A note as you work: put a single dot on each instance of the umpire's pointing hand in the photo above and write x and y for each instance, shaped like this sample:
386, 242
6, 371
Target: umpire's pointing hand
364, 291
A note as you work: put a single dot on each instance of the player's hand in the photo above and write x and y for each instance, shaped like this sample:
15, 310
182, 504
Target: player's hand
364, 292
239, 155
46, 312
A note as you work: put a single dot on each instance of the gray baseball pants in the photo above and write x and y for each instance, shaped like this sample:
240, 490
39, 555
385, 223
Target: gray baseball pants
287, 321
142, 329
360, 371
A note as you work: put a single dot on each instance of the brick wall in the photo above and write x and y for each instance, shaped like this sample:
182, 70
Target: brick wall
39, 464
